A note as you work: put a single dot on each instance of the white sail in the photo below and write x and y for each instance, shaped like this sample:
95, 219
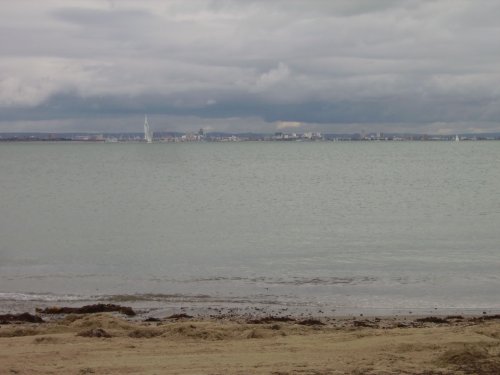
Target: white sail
148, 134
457, 138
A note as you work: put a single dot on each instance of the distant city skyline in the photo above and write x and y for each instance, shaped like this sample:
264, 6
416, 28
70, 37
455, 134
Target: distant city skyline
344, 66
202, 136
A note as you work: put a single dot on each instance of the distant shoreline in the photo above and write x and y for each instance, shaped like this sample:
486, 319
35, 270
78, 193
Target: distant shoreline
175, 137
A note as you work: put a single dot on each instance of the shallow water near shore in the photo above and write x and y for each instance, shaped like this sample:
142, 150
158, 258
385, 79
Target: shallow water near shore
331, 227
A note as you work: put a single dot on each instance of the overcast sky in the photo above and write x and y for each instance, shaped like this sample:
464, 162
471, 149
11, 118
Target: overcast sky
331, 66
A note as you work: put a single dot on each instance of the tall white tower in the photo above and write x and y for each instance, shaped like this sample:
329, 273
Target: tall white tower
148, 134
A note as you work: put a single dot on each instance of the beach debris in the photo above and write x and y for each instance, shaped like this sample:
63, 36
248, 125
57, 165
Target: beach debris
364, 323
24, 317
151, 319
88, 309
454, 317
484, 318
490, 317
311, 322
432, 319
271, 319
95, 332
179, 316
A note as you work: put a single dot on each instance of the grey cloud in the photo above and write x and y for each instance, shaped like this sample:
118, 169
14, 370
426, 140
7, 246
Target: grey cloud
321, 63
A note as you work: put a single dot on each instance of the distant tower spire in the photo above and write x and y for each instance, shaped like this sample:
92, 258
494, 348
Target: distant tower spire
148, 134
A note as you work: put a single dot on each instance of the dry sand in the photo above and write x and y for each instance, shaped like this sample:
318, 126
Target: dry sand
234, 346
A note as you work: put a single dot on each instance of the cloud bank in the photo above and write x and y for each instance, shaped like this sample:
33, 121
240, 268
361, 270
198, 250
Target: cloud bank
331, 66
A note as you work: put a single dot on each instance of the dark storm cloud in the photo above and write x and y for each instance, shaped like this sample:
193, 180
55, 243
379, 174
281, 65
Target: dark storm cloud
334, 65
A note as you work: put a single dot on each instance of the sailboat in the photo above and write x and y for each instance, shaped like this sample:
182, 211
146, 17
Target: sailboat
457, 138
148, 134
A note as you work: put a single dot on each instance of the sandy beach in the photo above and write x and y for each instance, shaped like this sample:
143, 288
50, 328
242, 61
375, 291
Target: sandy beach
111, 343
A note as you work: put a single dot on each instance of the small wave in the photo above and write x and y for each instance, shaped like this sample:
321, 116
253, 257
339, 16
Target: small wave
59, 276
325, 280
153, 297
289, 281
221, 278
120, 298
190, 298
47, 297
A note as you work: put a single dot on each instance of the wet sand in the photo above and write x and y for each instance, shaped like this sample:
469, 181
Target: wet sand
108, 343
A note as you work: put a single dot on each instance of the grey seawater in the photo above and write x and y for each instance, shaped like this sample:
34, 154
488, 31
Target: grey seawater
341, 227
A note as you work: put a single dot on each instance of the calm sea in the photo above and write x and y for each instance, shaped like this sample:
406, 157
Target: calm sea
336, 227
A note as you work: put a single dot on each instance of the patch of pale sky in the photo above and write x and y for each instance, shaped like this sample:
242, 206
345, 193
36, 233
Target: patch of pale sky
281, 125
